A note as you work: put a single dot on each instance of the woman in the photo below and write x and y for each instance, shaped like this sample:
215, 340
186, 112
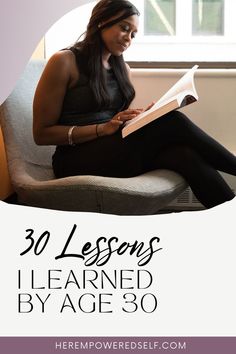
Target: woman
83, 99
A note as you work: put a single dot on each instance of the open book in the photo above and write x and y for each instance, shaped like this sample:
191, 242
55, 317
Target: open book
179, 95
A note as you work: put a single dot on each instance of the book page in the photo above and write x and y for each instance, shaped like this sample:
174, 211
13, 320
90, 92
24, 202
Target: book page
186, 83
183, 91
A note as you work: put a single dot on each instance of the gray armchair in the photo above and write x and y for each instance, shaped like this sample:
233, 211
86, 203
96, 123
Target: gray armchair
35, 184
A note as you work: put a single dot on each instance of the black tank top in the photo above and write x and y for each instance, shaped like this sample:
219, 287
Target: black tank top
79, 105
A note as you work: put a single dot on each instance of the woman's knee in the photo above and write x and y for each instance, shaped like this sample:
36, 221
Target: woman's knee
179, 118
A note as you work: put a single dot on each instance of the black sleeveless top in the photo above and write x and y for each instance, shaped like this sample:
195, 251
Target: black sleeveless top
79, 105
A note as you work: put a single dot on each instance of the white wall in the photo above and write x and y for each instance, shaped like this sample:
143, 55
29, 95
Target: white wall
215, 112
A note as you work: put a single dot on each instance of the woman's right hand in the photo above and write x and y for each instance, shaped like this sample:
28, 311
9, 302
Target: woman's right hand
118, 120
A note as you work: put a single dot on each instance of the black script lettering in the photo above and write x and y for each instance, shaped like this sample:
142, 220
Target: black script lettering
63, 253
150, 252
40, 244
122, 248
101, 253
108, 252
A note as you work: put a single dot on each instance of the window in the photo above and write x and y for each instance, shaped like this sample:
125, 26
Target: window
169, 31
159, 17
185, 30
208, 17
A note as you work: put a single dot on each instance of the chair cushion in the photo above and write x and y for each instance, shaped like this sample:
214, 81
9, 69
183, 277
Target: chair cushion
144, 194
18, 114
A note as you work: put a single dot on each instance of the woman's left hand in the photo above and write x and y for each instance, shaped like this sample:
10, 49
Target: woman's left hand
116, 122
127, 114
150, 106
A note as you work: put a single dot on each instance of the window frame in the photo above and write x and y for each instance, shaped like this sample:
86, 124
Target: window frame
216, 41
181, 64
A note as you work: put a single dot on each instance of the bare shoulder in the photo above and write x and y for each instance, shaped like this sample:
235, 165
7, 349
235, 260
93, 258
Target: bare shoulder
63, 58
62, 65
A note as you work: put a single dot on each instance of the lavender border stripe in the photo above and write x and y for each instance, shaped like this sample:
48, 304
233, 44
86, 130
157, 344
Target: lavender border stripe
167, 345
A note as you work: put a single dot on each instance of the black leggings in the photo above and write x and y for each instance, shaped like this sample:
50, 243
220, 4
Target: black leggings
171, 142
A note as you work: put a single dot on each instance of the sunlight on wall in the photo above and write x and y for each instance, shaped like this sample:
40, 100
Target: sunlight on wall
67, 29
39, 52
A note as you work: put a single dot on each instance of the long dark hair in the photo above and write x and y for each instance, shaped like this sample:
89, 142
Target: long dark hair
92, 47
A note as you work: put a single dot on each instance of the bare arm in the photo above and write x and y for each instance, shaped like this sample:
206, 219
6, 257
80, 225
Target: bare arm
55, 80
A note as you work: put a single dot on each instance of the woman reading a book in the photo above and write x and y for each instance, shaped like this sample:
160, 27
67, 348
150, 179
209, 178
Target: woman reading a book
82, 101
